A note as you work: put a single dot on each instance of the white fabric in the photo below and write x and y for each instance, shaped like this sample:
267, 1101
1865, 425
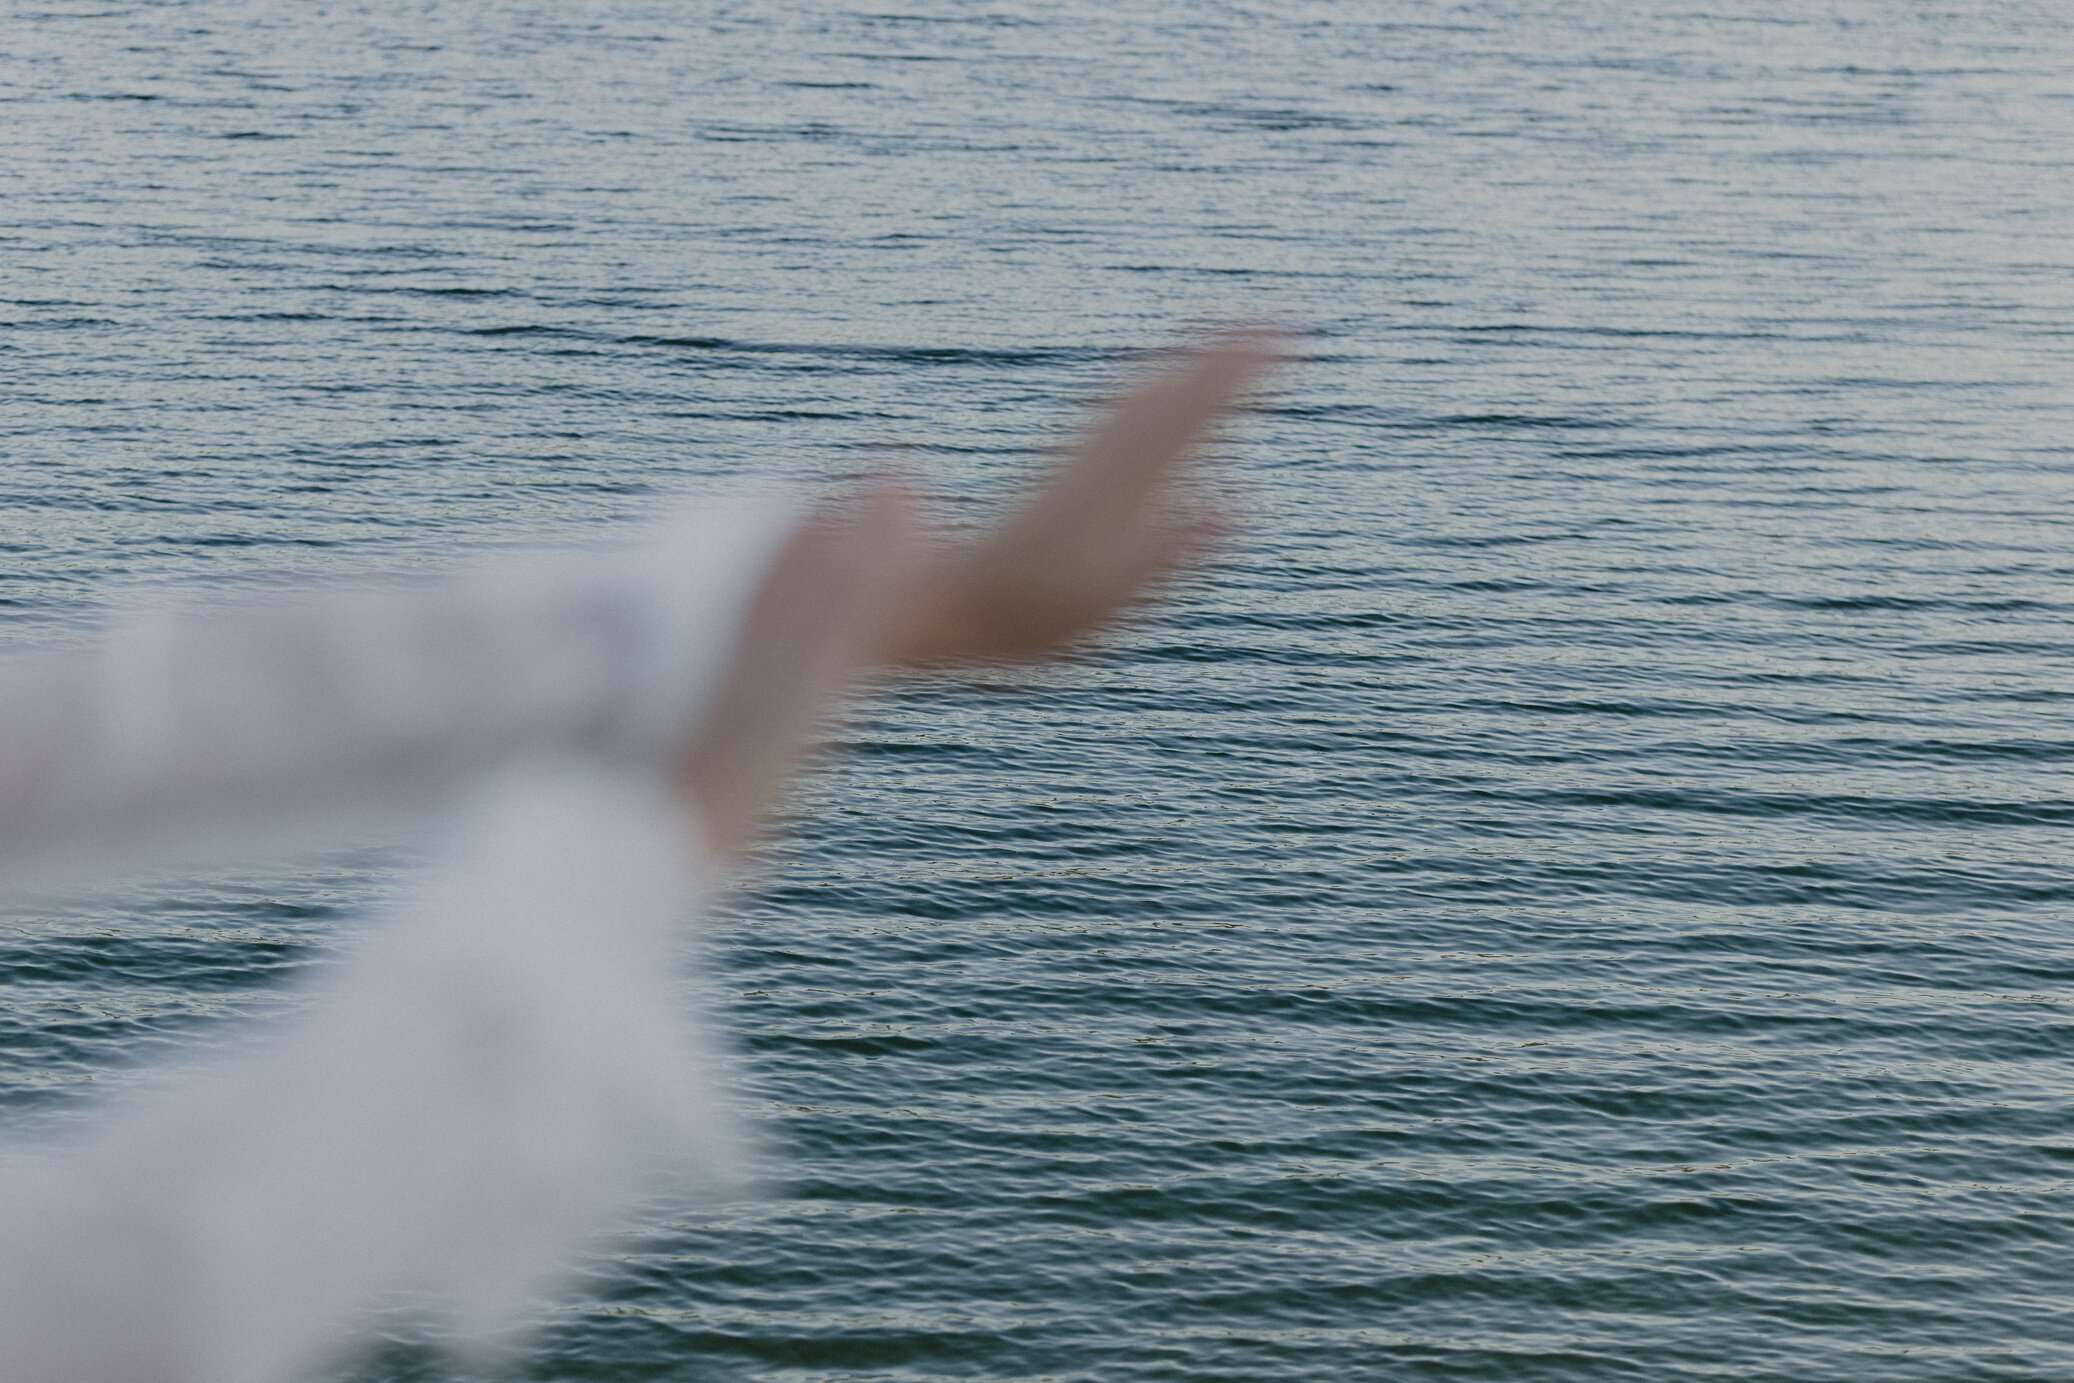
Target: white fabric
464, 1101
234, 736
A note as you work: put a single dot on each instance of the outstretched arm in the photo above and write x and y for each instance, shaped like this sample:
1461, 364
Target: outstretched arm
469, 1097
232, 736
462, 1101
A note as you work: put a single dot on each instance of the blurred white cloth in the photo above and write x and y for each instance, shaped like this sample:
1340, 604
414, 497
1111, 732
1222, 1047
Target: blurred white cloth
464, 1102
236, 736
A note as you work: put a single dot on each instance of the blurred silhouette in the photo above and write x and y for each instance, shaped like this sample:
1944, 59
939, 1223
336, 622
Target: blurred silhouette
466, 1102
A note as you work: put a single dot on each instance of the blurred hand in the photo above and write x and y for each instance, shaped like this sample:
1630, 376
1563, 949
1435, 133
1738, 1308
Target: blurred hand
1111, 521
860, 591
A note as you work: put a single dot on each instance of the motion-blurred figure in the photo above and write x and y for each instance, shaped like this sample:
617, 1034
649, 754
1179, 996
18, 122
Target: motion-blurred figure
464, 1104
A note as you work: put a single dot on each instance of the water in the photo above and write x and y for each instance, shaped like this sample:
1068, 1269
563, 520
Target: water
1581, 891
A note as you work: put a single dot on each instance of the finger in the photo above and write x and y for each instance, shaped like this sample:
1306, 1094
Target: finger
1136, 445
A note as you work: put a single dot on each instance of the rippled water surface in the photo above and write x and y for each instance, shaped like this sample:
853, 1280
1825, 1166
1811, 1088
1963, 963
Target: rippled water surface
1581, 891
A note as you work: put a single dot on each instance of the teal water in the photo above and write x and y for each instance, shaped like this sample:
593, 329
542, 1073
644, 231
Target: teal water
1581, 890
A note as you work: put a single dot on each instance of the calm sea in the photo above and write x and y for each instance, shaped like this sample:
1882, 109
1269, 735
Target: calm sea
1582, 890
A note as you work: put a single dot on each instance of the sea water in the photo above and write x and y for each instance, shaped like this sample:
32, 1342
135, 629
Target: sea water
1580, 889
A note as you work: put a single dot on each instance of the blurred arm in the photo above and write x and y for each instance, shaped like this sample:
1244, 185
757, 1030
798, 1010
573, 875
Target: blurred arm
471, 1097
236, 735
459, 1107
462, 1101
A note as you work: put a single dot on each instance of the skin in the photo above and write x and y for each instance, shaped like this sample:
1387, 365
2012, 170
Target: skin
871, 591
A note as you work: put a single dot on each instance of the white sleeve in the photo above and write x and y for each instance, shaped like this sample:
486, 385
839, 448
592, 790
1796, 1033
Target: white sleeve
238, 735
456, 1110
